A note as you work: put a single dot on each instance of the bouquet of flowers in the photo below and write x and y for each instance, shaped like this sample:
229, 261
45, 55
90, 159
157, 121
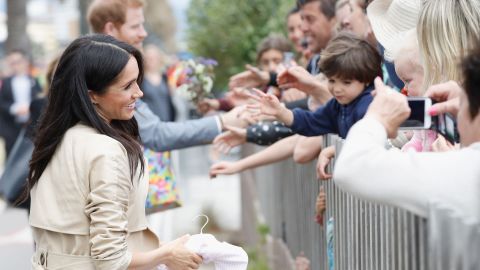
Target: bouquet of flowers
193, 78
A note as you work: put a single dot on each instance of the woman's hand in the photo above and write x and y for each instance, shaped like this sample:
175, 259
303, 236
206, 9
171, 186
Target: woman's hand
236, 117
297, 77
224, 167
448, 97
208, 104
323, 160
179, 257
252, 77
238, 96
292, 94
232, 137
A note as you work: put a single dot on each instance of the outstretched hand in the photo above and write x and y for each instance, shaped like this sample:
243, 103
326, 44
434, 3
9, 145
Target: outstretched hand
252, 77
237, 117
232, 137
293, 94
224, 167
207, 104
268, 105
296, 77
323, 160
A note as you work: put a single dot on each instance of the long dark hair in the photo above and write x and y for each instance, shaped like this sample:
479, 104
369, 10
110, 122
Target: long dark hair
93, 63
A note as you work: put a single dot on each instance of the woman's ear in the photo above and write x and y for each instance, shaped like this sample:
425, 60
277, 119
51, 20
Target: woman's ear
93, 97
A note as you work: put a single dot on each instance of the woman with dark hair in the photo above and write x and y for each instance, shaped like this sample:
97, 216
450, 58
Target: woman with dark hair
87, 177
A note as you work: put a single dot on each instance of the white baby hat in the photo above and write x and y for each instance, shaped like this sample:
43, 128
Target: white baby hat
224, 255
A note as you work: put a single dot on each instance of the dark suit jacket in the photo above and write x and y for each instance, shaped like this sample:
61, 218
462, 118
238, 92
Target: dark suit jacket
9, 129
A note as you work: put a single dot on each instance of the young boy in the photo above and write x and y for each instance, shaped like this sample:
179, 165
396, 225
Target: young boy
350, 64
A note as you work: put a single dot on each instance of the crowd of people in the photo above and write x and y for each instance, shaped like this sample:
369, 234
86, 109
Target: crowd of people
354, 65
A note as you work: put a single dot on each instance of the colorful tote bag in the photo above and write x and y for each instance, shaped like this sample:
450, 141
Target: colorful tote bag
162, 190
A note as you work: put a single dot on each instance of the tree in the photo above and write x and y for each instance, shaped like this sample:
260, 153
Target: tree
229, 31
17, 26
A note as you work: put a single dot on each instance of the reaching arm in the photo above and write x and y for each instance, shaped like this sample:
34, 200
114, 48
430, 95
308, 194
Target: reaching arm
267, 133
276, 152
407, 180
299, 78
316, 123
163, 136
307, 149
252, 77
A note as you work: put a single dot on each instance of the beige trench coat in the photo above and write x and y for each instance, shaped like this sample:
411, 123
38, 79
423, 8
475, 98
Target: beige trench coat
86, 212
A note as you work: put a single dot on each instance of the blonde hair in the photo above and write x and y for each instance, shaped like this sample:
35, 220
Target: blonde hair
447, 30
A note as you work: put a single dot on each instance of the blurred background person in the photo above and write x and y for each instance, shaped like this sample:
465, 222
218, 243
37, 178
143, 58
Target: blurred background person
271, 52
16, 93
156, 92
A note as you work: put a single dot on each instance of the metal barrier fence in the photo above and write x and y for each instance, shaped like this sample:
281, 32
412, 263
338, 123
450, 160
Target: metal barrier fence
365, 235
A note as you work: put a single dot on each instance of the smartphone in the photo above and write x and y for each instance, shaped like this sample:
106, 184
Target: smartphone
304, 43
446, 125
419, 117
288, 59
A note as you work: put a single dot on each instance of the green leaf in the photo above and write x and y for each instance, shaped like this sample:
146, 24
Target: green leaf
228, 31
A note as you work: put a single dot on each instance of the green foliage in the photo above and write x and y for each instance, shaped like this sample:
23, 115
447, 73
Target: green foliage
263, 230
229, 31
256, 260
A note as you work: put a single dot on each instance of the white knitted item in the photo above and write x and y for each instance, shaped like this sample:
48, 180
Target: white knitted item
224, 255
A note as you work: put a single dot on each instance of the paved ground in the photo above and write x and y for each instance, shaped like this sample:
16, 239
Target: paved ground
219, 199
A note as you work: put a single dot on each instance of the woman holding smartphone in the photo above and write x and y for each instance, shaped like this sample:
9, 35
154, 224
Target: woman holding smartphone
414, 181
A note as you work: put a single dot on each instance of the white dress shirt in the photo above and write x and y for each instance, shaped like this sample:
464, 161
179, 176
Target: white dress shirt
21, 90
